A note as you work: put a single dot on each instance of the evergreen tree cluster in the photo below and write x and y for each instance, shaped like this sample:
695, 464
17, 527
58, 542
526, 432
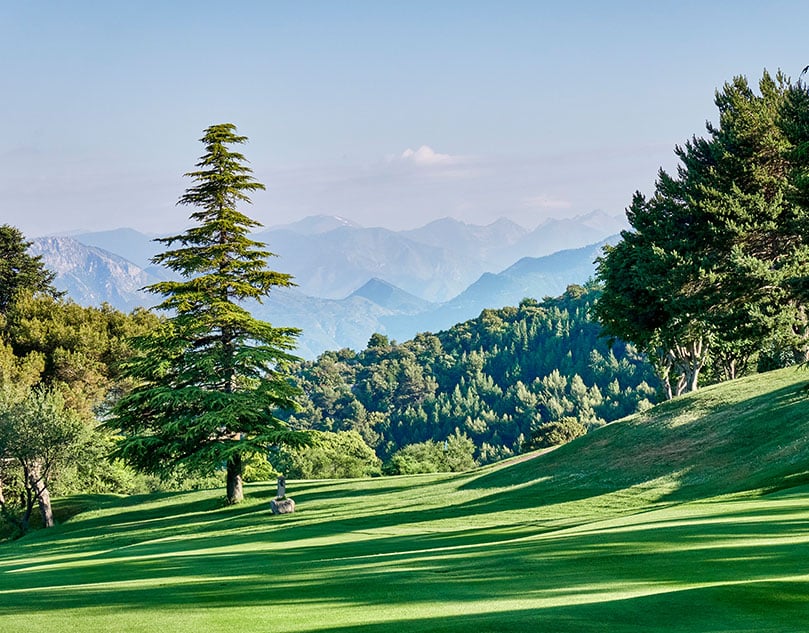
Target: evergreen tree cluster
710, 281
498, 380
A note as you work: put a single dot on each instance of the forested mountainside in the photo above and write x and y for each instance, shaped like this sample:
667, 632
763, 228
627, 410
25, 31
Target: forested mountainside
511, 378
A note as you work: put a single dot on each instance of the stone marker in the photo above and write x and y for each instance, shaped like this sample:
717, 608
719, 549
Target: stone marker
281, 504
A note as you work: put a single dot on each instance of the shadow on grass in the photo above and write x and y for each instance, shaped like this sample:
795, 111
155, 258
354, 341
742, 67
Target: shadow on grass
600, 569
756, 443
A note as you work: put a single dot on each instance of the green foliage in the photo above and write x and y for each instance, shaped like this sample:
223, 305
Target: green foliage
211, 379
795, 124
455, 454
555, 432
82, 348
72, 354
459, 451
342, 455
706, 277
494, 379
39, 435
421, 457
20, 272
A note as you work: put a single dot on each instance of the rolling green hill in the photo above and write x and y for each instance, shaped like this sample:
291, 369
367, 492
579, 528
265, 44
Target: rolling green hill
693, 516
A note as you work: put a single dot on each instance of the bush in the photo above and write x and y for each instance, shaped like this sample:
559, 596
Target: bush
342, 455
455, 454
556, 432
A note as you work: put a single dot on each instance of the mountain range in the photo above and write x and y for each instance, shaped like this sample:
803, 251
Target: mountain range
354, 281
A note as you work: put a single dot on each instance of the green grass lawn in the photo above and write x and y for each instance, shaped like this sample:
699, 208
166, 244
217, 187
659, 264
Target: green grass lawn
692, 517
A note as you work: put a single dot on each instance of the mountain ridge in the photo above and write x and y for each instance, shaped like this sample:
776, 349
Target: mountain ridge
377, 278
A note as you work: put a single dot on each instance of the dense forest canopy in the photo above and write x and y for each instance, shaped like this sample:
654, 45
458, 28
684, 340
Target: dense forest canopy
508, 380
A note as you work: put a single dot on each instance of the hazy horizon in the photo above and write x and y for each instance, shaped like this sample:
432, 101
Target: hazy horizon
387, 114
82, 231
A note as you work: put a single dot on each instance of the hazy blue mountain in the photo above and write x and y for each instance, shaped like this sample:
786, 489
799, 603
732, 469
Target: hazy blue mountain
391, 298
556, 235
489, 247
329, 324
355, 281
316, 224
92, 276
335, 263
130, 244
331, 257
534, 277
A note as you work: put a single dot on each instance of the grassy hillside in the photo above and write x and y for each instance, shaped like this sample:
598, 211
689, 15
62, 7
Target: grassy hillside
692, 517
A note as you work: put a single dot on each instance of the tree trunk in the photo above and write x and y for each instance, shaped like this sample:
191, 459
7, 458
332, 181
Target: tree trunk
43, 496
45, 510
235, 492
690, 359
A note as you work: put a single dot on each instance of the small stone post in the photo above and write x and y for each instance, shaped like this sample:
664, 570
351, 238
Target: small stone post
282, 504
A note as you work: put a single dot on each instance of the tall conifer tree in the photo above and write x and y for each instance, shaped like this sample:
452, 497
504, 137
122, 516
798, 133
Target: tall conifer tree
212, 379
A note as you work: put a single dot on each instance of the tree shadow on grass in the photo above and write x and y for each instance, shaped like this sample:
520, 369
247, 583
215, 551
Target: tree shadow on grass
581, 579
725, 449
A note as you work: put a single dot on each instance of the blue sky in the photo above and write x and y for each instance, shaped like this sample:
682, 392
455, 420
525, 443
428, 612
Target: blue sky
388, 113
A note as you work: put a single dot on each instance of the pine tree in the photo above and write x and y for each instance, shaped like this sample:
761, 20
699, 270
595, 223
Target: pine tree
212, 379
20, 271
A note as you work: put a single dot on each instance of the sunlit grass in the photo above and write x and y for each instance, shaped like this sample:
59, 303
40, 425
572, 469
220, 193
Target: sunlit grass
616, 532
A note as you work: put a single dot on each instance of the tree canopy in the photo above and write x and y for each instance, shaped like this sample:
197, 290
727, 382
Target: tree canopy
703, 276
496, 381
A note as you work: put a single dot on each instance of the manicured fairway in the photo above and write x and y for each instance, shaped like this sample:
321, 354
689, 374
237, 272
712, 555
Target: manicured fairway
602, 535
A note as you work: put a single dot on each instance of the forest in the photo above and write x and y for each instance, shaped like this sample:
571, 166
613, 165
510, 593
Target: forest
513, 379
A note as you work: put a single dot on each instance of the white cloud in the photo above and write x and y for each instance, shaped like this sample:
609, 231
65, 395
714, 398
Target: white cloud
426, 155
545, 201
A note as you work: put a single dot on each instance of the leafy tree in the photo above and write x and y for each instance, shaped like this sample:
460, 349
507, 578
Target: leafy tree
48, 345
420, 457
19, 270
454, 454
555, 432
459, 451
82, 347
212, 378
38, 434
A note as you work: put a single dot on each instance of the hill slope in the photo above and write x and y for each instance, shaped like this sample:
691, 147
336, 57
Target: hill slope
748, 434
623, 530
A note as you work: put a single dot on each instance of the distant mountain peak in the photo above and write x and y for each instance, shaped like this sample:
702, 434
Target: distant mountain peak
503, 222
317, 224
92, 275
391, 297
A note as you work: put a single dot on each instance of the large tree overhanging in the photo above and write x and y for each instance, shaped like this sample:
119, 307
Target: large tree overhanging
702, 276
212, 378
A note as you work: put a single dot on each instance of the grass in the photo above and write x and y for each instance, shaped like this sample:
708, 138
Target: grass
692, 517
